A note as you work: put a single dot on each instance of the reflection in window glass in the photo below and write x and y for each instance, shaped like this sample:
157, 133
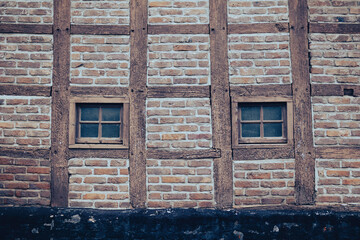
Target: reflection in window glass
111, 130
250, 130
89, 130
250, 113
89, 113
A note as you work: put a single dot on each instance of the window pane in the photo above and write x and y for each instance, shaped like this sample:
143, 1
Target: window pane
250, 113
272, 129
250, 130
89, 130
89, 113
111, 114
111, 130
272, 113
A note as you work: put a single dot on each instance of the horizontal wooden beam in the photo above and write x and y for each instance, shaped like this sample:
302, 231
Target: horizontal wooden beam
27, 28
261, 90
338, 28
263, 153
337, 152
258, 28
179, 29
25, 152
335, 90
100, 29
78, 91
183, 154
25, 90
179, 92
99, 153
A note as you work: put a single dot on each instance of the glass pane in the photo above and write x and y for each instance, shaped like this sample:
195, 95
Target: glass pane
272, 113
89, 130
250, 113
89, 113
111, 114
250, 130
110, 130
272, 129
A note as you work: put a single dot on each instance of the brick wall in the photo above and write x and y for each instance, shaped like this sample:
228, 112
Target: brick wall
264, 182
25, 59
25, 121
100, 60
24, 181
253, 11
335, 58
259, 59
178, 60
178, 11
100, 12
178, 123
26, 11
180, 183
334, 11
99, 183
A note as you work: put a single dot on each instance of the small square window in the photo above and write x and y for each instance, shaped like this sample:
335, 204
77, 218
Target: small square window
98, 122
262, 120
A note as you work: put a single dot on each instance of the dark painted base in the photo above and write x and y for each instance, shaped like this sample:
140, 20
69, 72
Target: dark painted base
55, 223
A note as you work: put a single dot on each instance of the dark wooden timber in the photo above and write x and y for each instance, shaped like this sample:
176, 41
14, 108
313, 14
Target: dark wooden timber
60, 105
27, 28
220, 104
118, 91
338, 28
263, 153
179, 92
258, 28
137, 96
100, 29
262, 90
99, 153
338, 152
179, 29
183, 154
335, 90
25, 90
303, 139
23, 152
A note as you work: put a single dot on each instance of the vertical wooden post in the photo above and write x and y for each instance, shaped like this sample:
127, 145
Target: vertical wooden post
60, 104
220, 103
137, 95
304, 149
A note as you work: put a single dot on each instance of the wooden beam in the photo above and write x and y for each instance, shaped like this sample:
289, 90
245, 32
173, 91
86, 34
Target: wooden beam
179, 92
27, 28
25, 90
338, 152
60, 105
99, 153
183, 154
179, 29
118, 91
100, 29
303, 139
137, 95
338, 28
335, 90
220, 104
263, 153
25, 152
262, 90
258, 28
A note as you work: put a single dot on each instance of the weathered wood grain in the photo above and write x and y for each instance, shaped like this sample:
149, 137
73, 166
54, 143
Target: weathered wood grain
25, 152
27, 28
99, 153
262, 90
179, 92
100, 29
263, 153
183, 154
335, 90
258, 28
179, 29
101, 91
338, 28
24, 90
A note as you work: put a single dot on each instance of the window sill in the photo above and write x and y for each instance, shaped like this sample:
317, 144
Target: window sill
98, 146
263, 145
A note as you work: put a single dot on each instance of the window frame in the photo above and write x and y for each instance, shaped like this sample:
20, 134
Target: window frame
270, 142
105, 143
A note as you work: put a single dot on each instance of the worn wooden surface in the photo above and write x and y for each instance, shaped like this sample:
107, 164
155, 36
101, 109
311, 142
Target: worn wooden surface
220, 104
60, 105
100, 29
338, 28
25, 152
335, 90
25, 90
262, 90
27, 28
183, 154
340, 152
179, 29
99, 153
303, 139
263, 153
100, 91
137, 95
258, 28
179, 92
